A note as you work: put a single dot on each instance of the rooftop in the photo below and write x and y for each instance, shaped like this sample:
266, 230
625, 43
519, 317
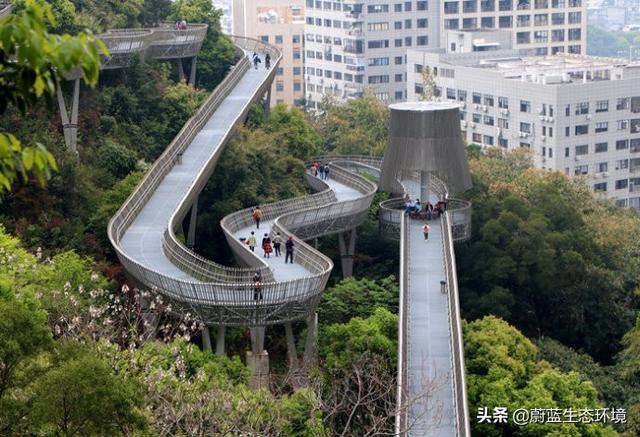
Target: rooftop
552, 70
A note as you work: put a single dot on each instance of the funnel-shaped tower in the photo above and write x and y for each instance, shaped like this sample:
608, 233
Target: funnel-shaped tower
424, 138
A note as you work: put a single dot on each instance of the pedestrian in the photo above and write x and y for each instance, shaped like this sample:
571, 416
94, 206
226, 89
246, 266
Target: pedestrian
326, 172
257, 216
288, 247
267, 61
256, 60
252, 241
257, 286
418, 206
425, 231
321, 171
266, 246
277, 241
429, 209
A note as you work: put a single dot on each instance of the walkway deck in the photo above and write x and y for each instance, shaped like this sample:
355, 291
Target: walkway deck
143, 239
430, 365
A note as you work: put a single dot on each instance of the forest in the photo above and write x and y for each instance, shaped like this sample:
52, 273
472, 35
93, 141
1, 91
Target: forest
549, 281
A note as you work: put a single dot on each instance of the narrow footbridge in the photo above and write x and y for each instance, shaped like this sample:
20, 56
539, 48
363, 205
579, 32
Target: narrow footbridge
145, 233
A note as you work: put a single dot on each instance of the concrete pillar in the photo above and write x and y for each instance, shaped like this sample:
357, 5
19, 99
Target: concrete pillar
347, 245
180, 70
69, 116
310, 355
425, 190
220, 340
291, 347
267, 104
258, 360
191, 234
192, 75
206, 339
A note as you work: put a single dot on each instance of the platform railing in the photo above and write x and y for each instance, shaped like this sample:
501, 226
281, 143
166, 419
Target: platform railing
455, 328
5, 8
402, 414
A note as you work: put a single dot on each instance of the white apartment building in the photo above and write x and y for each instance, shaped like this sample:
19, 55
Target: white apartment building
353, 44
578, 114
281, 23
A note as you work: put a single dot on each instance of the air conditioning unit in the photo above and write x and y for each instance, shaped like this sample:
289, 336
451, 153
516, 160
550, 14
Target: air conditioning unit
484, 108
540, 111
577, 158
550, 119
499, 131
505, 111
543, 138
463, 105
605, 174
597, 175
473, 125
588, 117
463, 123
542, 117
476, 106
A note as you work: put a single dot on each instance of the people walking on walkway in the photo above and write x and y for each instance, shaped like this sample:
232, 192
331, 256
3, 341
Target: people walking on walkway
428, 207
425, 231
251, 241
266, 246
326, 172
277, 241
257, 286
256, 60
257, 216
267, 61
418, 207
289, 250
321, 171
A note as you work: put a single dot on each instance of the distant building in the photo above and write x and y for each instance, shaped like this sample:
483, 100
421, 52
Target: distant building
578, 114
351, 45
281, 23
226, 21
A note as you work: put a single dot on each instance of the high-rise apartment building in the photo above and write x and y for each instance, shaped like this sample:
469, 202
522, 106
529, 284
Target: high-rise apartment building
281, 23
577, 114
350, 45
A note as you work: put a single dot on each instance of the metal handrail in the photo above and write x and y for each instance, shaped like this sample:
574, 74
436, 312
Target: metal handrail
5, 8
455, 326
403, 324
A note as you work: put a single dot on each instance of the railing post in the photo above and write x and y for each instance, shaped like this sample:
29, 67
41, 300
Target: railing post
311, 342
220, 340
206, 339
180, 70
258, 359
291, 347
192, 74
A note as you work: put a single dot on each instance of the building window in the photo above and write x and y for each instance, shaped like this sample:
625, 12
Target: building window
407, 24
567, 131
602, 147
503, 123
422, 23
374, 62
264, 38
297, 86
397, 7
602, 126
422, 40
622, 144
476, 98
397, 25
602, 106
407, 6
399, 77
601, 167
398, 95
525, 127
279, 39
488, 120
503, 142
602, 186
422, 5
451, 93
623, 124
582, 129
280, 71
476, 118
488, 140
407, 41
503, 102
279, 85
582, 108
398, 60
377, 27
505, 22
383, 78
476, 138
622, 103
525, 106
376, 9
488, 100
621, 184
297, 71
462, 95
582, 150
566, 152
581, 170
634, 145
622, 164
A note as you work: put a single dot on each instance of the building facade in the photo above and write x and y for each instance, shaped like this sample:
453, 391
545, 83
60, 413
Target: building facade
351, 45
281, 23
577, 114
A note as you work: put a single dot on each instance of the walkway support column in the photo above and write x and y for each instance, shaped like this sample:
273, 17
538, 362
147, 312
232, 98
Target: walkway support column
69, 116
291, 347
425, 190
347, 244
220, 340
191, 234
310, 354
192, 74
258, 360
206, 339
180, 70
267, 104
